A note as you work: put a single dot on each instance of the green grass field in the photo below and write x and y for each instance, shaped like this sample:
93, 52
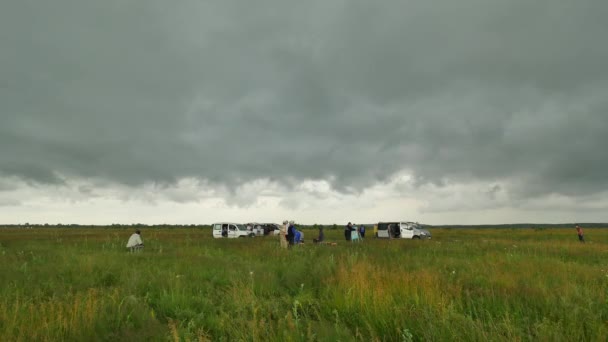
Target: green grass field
464, 285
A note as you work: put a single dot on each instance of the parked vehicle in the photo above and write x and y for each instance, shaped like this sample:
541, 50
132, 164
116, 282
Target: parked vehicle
401, 230
256, 228
270, 228
231, 230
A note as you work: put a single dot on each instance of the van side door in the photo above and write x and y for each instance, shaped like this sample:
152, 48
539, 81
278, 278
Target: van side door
407, 231
217, 230
383, 231
233, 231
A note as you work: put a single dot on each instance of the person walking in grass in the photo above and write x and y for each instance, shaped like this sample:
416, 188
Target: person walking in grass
283, 234
579, 232
135, 242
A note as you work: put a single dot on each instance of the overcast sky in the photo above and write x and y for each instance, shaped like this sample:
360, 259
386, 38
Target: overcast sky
192, 111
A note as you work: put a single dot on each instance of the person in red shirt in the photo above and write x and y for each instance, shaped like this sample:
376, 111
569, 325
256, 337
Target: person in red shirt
579, 231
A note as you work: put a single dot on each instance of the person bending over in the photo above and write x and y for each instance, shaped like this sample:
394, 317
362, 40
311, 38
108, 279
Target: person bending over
135, 242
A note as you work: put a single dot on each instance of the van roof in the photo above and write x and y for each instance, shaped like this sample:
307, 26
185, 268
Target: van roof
226, 223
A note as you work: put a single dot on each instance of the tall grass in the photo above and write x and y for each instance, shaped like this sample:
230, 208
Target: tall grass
500, 285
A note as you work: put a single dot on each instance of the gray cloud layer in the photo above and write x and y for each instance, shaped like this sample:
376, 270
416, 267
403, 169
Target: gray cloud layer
350, 91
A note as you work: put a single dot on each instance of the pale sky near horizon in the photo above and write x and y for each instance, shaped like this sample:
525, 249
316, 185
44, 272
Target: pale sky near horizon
191, 111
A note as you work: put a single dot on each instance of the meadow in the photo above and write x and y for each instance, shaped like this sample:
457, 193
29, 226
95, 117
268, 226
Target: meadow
463, 285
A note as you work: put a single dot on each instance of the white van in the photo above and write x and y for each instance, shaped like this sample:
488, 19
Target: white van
402, 230
230, 230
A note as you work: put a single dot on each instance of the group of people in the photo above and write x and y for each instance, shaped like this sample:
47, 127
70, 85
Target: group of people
351, 230
289, 235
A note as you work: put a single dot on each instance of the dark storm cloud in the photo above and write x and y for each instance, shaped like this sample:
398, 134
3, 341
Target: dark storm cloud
348, 91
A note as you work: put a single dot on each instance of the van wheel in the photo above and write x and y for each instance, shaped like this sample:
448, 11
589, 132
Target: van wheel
417, 237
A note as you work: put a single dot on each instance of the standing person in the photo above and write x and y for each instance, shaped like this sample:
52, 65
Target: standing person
291, 233
347, 230
579, 232
321, 236
362, 231
283, 234
354, 233
135, 242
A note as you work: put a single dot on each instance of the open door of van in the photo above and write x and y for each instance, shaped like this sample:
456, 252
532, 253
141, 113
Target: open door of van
217, 230
383, 231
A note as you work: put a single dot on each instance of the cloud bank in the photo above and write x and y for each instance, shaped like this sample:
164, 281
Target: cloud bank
512, 96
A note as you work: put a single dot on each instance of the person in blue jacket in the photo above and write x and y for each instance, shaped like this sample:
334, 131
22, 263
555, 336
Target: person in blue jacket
291, 233
362, 231
298, 238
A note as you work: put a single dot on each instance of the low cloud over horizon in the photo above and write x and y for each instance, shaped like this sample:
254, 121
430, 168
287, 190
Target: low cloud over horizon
324, 111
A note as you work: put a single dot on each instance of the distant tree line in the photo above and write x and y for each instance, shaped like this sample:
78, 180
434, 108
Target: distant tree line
313, 226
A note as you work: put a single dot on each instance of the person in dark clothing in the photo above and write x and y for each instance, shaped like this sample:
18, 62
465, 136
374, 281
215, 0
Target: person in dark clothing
347, 230
362, 231
291, 233
321, 236
395, 230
